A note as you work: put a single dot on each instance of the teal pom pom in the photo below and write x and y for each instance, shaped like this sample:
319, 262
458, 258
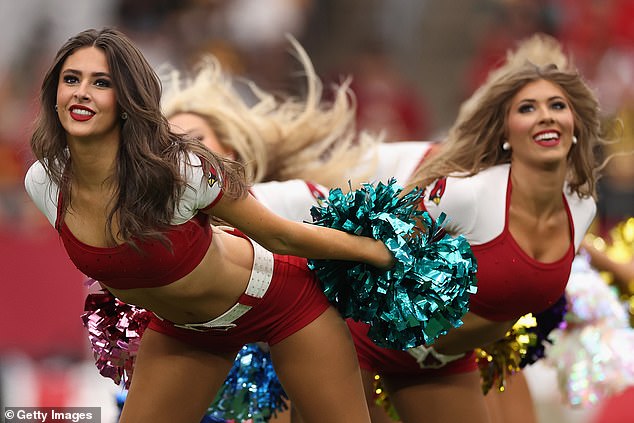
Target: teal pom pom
424, 294
251, 391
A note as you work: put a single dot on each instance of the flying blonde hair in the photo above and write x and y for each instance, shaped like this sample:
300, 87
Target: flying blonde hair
276, 138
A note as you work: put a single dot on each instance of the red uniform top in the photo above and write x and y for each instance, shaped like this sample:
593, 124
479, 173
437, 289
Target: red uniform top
510, 283
122, 267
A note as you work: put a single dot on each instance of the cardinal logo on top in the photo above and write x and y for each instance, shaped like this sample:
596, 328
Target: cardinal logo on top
438, 190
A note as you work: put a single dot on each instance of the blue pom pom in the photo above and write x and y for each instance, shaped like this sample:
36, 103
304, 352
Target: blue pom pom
424, 294
251, 390
211, 419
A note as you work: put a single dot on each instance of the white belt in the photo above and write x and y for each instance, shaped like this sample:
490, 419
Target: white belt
429, 358
259, 282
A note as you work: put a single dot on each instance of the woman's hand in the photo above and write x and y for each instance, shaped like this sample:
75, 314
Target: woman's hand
474, 333
622, 272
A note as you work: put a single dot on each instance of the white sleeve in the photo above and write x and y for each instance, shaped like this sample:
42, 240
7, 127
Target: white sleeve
475, 206
583, 211
396, 160
388, 160
290, 199
42, 191
203, 190
454, 197
399, 160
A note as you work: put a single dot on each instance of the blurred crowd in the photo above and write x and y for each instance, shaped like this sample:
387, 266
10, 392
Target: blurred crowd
412, 63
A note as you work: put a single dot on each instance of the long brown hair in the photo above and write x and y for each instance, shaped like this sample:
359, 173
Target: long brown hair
148, 171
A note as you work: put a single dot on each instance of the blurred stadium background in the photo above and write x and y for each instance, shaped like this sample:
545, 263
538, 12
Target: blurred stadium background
413, 62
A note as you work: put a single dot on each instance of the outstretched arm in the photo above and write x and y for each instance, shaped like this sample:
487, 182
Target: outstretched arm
284, 236
623, 272
474, 333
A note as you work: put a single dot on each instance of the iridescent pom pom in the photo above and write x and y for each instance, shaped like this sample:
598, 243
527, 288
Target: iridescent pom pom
593, 353
424, 294
619, 247
251, 391
114, 329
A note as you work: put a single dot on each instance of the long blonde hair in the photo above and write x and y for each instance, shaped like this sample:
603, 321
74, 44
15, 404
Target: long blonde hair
474, 141
275, 138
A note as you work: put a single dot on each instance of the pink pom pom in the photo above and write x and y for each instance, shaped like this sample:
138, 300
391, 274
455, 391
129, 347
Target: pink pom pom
114, 329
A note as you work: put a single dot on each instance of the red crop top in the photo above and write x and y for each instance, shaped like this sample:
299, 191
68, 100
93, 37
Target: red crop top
510, 283
123, 267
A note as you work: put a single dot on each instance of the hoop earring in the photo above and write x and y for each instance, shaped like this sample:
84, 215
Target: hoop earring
574, 139
124, 115
56, 107
506, 146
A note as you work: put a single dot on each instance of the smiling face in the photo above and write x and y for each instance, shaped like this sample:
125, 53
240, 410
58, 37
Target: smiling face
540, 124
197, 127
86, 100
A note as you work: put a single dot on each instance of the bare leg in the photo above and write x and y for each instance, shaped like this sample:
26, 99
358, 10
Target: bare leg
295, 417
281, 417
319, 370
514, 404
453, 398
377, 413
173, 381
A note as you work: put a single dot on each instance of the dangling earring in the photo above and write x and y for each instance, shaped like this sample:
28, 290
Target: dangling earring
124, 115
574, 139
506, 146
